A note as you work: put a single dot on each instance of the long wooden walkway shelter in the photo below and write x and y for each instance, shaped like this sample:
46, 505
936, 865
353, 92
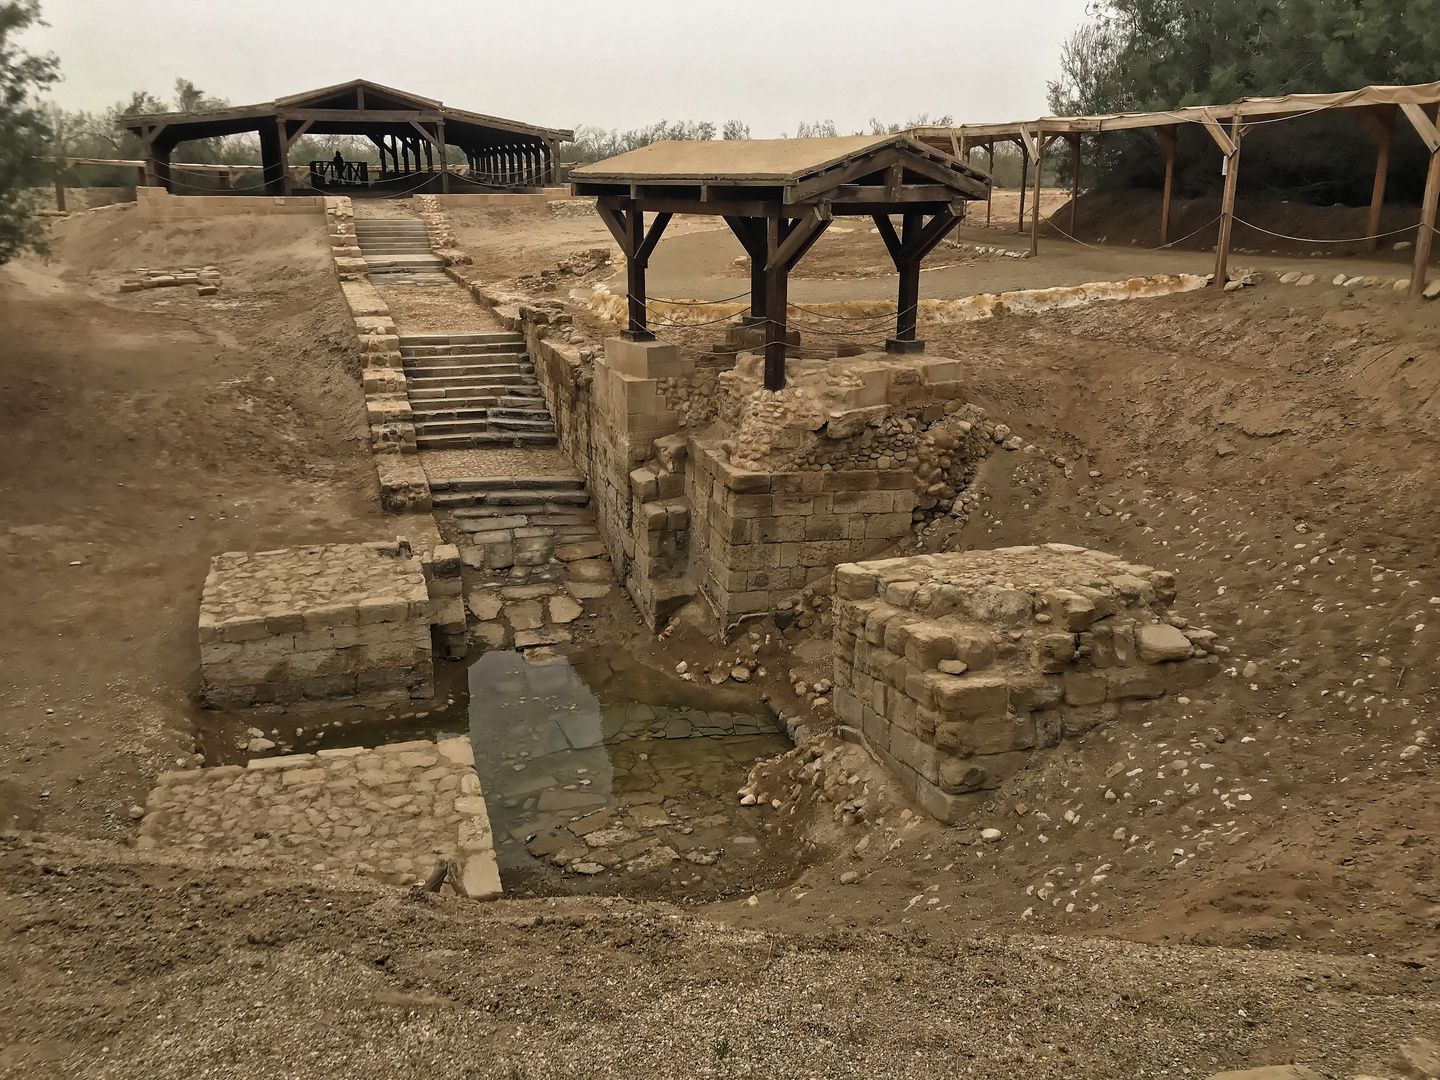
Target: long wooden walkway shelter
778, 196
414, 135
1377, 108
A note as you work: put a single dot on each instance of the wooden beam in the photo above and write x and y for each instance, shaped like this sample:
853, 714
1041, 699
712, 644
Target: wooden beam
925, 240
1167, 136
1024, 182
871, 193
1423, 125
360, 116
638, 328
1379, 122
1227, 146
423, 133
614, 220
1227, 206
887, 234
751, 234
291, 140
652, 237
800, 239
941, 173
285, 180
1074, 141
841, 174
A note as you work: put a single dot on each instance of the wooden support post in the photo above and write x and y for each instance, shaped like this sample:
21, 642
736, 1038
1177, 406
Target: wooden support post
1167, 136
639, 325
989, 194
284, 157
1074, 140
444, 157
1424, 125
751, 234
1379, 122
1426, 233
1024, 182
1040, 144
777, 295
59, 192
907, 251
1231, 149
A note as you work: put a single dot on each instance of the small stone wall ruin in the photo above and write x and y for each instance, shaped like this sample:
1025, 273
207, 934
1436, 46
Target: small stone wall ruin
331, 623
956, 667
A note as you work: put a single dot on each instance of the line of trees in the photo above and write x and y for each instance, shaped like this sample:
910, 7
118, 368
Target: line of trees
1152, 55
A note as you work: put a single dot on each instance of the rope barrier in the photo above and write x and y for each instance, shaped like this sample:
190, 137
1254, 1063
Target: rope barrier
1317, 240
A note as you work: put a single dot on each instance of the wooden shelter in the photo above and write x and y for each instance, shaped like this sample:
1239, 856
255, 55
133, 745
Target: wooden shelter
413, 135
1376, 107
778, 196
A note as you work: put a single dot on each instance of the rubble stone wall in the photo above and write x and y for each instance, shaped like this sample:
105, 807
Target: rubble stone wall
156, 202
957, 666
333, 622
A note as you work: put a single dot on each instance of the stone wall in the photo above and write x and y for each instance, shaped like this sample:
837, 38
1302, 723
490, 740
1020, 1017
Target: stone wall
759, 537
156, 202
403, 483
957, 666
334, 622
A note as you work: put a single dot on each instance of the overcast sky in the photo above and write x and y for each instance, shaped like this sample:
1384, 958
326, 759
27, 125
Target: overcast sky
562, 63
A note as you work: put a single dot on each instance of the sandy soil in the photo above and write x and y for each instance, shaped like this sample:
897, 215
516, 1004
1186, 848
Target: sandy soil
1298, 924
143, 433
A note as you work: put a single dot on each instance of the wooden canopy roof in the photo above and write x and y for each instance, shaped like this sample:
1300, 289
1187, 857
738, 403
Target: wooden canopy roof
855, 174
350, 108
1244, 110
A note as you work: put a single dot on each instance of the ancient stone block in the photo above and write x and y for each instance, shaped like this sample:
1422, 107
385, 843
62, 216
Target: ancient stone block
1157, 642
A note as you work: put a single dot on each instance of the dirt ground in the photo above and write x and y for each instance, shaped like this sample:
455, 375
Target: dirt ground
1275, 447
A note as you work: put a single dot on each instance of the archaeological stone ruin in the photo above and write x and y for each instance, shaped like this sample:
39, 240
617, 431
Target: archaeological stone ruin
957, 666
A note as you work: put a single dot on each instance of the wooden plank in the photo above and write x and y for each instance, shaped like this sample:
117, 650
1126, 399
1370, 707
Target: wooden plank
943, 174
870, 193
1024, 174
1380, 123
1426, 233
638, 328
444, 157
285, 180
1027, 141
923, 241
1040, 145
1167, 136
1227, 206
1423, 125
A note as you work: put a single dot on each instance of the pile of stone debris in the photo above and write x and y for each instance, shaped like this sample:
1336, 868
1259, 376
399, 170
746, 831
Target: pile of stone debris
206, 277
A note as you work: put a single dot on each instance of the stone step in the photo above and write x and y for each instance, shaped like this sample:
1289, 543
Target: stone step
409, 349
452, 394
468, 426
509, 483
482, 439
478, 511
485, 338
462, 359
477, 377
511, 423
430, 412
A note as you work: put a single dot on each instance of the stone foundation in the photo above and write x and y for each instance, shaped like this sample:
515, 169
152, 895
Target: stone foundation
335, 622
957, 666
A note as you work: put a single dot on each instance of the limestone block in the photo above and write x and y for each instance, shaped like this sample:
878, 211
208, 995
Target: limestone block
1157, 642
1144, 681
1084, 687
969, 697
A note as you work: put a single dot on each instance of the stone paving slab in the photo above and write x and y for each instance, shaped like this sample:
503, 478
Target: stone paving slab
391, 812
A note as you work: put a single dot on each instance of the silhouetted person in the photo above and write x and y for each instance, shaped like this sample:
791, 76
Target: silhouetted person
339, 165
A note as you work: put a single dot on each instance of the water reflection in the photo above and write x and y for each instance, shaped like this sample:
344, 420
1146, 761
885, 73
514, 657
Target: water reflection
553, 744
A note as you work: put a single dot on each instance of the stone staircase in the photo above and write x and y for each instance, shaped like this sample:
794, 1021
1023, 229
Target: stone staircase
470, 390
532, 554
396, 246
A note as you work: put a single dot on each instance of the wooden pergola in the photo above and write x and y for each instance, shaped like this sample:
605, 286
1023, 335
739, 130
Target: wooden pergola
413, 135
1376, 106
778, 196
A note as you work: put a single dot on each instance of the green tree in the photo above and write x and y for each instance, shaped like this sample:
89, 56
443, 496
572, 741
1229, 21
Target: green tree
24, 133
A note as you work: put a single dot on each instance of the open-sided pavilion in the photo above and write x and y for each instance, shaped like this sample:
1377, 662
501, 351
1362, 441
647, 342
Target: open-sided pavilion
778, 196
414, 135
1377, 107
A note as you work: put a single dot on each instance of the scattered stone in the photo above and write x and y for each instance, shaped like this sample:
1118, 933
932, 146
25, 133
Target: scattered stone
136, 813
849, 877
991, 836
259, 746
740, 674
587, 868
